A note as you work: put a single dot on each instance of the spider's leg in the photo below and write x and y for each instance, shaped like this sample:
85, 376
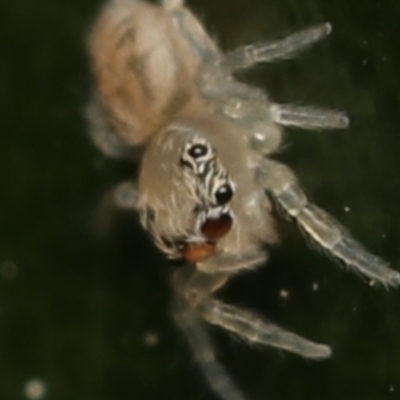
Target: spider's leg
322, 229
308, 117
125, 196
202, 347
104, 137
225, 262
122, 197
254, 329
246, 56
192, 31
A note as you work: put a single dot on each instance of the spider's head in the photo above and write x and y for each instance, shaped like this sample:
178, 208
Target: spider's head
214, 190
189, 210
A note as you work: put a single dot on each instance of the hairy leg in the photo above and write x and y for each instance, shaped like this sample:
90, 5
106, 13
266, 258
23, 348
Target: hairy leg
202, 347
104, 137
125, 196
281, 183
247, 56
192, 31
308, 117
255, 330
231, 263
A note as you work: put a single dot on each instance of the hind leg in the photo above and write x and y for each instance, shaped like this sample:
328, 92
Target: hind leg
247, 56
104, 137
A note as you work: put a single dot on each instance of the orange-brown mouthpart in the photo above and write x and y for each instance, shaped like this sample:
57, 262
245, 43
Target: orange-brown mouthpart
217, 228
197, 252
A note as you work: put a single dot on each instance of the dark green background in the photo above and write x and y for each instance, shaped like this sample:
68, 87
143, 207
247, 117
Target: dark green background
76, 299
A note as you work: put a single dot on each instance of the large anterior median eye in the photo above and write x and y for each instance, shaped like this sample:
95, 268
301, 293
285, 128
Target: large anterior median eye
224, 194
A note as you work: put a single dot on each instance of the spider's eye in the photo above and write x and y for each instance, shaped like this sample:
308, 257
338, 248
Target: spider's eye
196, 155
224, 194
198, 150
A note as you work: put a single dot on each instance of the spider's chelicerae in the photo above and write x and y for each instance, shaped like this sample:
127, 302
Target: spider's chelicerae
207, 179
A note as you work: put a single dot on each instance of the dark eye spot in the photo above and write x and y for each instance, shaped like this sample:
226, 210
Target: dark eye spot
224, 194
198, 150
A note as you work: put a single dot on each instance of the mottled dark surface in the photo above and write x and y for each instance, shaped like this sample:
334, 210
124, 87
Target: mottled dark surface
78, 301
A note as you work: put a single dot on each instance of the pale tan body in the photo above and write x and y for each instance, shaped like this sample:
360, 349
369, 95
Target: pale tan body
138, 55
161, 81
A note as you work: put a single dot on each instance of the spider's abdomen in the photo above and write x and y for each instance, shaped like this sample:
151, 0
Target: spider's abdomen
145, 59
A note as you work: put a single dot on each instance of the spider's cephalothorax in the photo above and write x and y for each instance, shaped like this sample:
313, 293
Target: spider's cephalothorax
199, 175
206, 177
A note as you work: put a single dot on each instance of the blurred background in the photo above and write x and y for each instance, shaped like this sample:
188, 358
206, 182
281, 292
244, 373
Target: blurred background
84, 310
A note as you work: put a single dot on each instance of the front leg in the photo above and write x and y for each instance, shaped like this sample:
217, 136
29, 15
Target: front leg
199, 341
226, 262
252, 328
191, 287
280, 182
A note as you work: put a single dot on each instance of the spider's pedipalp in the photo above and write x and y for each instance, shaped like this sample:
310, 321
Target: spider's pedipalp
247, 56
306, 117
255, 330
322, 228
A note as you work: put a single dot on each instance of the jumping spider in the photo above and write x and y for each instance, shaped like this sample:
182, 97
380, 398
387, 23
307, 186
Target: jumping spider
206, 178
